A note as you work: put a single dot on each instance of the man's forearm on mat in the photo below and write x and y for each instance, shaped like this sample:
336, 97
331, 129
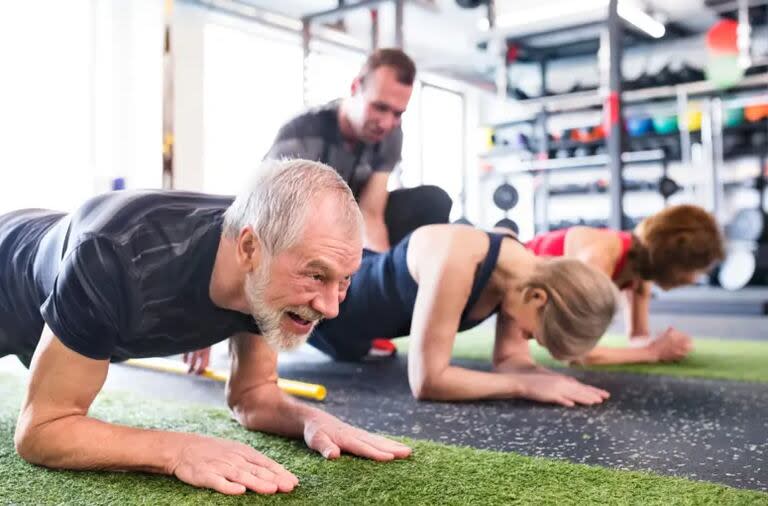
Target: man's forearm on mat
82, 443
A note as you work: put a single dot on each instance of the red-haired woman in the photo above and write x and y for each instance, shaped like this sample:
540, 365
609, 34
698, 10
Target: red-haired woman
670, 249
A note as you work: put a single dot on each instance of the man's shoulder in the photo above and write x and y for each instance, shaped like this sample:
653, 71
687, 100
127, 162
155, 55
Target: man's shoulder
394, 140
313, 122
147, 216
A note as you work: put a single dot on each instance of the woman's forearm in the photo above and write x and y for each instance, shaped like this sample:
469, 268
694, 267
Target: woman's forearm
459, 384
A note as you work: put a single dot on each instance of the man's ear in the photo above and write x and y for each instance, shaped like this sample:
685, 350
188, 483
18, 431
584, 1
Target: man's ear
247, 249
356, 86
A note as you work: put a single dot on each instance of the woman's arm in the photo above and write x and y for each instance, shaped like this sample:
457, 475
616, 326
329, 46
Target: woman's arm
638, 307
670, 346
445, 272
511, 350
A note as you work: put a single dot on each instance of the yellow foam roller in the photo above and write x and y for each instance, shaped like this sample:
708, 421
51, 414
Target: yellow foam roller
297, 388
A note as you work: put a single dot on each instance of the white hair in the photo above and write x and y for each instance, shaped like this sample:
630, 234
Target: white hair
280, 198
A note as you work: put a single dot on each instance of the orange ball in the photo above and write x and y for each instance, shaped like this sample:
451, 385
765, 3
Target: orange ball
755, 113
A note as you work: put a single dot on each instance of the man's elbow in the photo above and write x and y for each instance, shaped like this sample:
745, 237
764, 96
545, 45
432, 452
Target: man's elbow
372, 214
28, 447
248, 408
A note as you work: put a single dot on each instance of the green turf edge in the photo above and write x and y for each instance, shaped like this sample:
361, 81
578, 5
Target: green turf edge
435, 474
712, 358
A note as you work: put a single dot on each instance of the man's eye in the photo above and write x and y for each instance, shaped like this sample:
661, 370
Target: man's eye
317, 277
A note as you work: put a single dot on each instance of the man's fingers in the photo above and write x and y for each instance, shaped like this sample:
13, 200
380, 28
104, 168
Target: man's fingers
187, 359
218, 483
202, 363
356, 445
323, 444
284, 483
381, 443
284, 477
246, 478
282, 473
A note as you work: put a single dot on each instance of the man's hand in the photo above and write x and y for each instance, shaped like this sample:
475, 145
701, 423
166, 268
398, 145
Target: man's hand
197, 360
330, 436
559, 389
671, 346
230, 468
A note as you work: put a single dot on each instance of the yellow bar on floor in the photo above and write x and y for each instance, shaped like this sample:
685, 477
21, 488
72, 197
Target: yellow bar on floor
297, 388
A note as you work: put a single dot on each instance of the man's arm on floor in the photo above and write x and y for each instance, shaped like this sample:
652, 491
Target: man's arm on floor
54, 430
258, 404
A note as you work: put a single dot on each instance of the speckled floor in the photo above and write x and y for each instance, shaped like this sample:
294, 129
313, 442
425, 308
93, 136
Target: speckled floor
700, 429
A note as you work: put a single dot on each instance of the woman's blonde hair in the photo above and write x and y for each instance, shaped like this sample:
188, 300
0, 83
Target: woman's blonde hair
581, 303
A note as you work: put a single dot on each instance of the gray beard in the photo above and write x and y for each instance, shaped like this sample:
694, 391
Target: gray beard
268, 318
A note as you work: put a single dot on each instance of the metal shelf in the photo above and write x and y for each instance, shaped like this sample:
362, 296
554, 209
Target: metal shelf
570, 102
584, 162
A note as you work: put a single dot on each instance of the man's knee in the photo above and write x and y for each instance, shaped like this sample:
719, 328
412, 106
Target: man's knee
437, 199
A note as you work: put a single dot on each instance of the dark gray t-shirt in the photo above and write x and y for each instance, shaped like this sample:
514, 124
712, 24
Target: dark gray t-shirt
315, 135
126, 275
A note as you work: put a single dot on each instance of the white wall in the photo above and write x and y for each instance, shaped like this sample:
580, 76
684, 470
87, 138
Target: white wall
45, 104
80, 96
187, 42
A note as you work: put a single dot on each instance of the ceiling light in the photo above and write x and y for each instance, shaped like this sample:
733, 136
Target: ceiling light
641, 20
628, 11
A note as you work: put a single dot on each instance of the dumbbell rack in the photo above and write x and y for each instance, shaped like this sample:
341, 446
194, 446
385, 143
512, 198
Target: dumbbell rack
545, 167
712, 136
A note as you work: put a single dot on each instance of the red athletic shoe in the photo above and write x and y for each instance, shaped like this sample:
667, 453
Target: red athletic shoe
380, 349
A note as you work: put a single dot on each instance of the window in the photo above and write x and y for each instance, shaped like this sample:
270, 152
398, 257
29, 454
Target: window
433, 146
252, 85
45, 93
330, 73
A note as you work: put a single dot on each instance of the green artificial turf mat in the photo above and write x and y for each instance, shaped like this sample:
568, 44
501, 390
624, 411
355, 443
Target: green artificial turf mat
711, 358
435, 474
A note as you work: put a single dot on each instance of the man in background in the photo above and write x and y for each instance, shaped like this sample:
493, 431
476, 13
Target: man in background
360, 137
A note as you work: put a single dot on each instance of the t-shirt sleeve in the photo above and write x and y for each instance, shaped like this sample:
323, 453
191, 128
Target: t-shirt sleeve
389, 152
89, 304
289, 143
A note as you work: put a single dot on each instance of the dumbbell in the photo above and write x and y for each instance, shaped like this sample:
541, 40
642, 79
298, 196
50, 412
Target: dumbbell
759, 141
507, 223
584, 151
748, 225
462, 221
668, 187
521, 141
742, 267
505, 197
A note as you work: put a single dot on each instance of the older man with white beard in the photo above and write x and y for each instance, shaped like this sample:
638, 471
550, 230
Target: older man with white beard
136, 274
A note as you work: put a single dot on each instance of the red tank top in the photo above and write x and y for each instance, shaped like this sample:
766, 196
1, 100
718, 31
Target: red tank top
552, 244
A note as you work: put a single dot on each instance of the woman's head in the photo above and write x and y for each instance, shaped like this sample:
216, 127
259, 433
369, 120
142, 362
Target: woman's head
675, 246
567, 305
